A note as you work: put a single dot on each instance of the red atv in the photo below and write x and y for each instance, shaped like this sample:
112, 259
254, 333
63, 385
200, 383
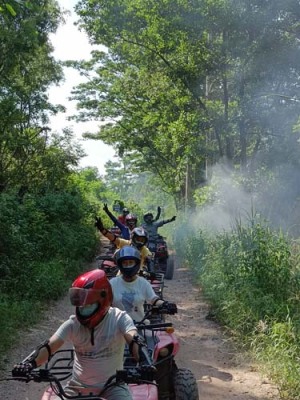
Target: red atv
174, 383
157, 377
163, 261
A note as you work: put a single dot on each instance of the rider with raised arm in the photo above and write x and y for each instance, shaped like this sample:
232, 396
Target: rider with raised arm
138, 239
125, 233
151, 225
98, 333
130, 223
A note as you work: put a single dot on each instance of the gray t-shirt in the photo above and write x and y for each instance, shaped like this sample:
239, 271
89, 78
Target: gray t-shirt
94, 364
152, 229
131, 296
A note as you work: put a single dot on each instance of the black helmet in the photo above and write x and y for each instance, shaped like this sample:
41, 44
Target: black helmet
125, 211
128, 253
139, 237
148, 217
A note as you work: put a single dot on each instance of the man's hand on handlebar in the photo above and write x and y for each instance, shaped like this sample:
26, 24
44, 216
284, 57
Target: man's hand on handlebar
170, 308
23, 369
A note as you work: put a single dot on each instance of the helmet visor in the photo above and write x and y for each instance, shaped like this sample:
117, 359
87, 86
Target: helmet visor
81, 297
141, 240
128, 263
88, 311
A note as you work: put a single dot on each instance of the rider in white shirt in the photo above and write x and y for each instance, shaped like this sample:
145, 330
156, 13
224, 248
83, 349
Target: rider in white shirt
98, 333
131, 291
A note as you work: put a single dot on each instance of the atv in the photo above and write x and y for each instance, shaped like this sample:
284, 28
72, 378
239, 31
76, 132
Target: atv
174, 383
140, 379
163, 261
156, 377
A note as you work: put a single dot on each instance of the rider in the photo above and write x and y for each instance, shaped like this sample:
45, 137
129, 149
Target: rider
130, 223
152, 226
122, 217
98, 333
131, 291
138, 239
125, 233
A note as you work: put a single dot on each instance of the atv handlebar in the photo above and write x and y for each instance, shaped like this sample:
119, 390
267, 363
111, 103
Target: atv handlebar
137, 375
53, 373
156, 310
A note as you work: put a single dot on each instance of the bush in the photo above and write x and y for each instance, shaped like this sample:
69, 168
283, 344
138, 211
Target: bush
250, 276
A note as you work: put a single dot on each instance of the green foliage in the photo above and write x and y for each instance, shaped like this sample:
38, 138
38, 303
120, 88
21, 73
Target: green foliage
250, 276
44, 240
27, 69
15, 316
276, 346
189, 84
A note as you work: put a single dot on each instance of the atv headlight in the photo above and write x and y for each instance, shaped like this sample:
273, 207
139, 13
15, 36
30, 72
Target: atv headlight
164, 352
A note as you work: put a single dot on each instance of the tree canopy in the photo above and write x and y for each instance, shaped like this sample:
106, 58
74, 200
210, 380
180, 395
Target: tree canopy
184, 84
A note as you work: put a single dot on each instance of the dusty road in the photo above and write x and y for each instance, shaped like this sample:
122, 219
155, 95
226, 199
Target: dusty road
221, 373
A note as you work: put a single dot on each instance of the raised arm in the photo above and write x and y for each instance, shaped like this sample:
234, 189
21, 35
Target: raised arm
123, 228
166, 221
158, 214
111, 215
105, 232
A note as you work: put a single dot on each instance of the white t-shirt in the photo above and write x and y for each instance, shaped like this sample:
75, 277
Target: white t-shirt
131, 296
101, 360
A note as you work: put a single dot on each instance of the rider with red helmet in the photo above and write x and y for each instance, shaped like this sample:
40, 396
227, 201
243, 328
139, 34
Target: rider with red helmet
98, 333
122, 217
129, 224
131, 221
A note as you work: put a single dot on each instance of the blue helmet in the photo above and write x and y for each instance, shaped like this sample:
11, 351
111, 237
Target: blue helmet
128, 253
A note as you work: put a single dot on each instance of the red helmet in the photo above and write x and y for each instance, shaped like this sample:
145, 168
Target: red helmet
91, 293
131, 220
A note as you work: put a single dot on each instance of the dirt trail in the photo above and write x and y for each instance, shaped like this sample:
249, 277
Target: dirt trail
221, 373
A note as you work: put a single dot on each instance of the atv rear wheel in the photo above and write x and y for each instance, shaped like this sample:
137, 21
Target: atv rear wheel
170, 268
185, 385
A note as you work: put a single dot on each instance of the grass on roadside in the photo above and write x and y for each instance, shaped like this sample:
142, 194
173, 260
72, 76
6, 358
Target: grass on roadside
250, 276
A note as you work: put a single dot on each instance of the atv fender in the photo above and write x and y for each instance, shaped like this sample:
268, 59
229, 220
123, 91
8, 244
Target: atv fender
143, 392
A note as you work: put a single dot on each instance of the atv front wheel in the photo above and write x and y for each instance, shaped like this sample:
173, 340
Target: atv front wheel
185, 385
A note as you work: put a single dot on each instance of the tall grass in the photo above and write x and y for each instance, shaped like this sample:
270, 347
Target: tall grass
250, 276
